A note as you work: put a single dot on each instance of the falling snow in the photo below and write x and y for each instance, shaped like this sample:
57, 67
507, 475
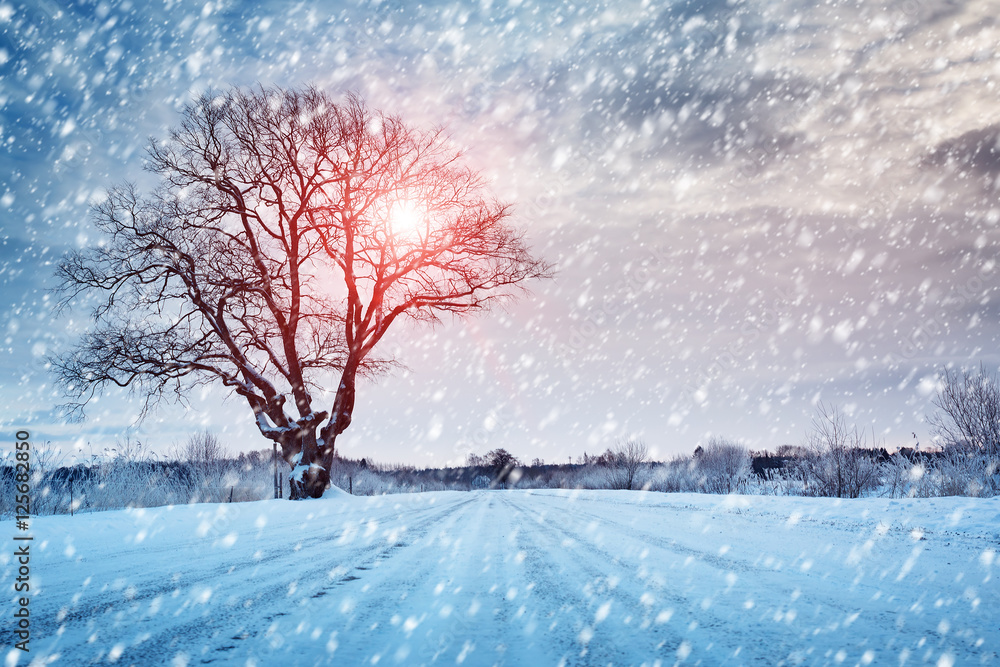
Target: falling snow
753, 207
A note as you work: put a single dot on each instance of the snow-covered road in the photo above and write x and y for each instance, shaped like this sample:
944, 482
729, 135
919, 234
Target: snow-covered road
519, 578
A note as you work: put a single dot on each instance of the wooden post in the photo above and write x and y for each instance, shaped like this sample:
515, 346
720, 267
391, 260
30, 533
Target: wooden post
350, 485
71, 494
277, 484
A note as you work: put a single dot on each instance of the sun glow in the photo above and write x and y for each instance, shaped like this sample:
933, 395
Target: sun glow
405, 219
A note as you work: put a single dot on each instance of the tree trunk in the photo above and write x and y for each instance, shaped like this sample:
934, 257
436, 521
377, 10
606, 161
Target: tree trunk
340, 416
310, 457
311, 477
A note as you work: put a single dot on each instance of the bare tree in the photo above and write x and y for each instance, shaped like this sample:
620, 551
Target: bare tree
414, 237
626, 460
839, 462
969, 411
203, 448
968, 424
205, 454
503, 464
288, 233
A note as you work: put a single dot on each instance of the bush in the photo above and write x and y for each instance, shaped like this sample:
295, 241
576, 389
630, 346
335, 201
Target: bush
838, 464
676, 476
624, 463
967, 424
969, 412
963, 471
723, 466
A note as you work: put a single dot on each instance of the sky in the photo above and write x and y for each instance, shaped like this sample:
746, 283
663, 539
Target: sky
752, 207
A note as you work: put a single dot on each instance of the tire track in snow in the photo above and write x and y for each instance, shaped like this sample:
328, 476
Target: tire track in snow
447, 597
115, 619
611, 612
761, 640
706, 631
786, 600
390, 591
500, 577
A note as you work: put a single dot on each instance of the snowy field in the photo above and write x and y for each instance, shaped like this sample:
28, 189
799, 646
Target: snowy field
519, 578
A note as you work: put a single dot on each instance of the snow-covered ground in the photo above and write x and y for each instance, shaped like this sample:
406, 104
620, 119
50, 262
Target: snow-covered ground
518, 578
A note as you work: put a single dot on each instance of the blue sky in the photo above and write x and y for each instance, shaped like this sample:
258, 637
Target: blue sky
752, 206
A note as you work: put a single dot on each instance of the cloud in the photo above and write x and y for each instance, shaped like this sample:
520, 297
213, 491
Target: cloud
976, 151
684, 79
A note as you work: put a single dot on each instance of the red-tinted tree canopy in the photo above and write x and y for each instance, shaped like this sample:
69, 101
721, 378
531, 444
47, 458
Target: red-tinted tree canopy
288, 232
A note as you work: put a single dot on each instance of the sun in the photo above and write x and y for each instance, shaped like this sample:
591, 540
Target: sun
405, 218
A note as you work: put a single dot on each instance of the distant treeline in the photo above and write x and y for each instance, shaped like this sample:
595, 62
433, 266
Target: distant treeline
209, 476
765, 463
348, 472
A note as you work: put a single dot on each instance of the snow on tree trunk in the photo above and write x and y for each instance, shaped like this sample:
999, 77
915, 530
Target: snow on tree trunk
310, 478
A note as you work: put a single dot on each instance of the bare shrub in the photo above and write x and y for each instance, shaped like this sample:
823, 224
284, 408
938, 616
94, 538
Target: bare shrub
46, 494
592, 477
128, 475
679, 475
626, 460
969, 411
723, 466
213, 477
897, 476
203, 449
367, 482
962, 471
968, 425
838, 464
